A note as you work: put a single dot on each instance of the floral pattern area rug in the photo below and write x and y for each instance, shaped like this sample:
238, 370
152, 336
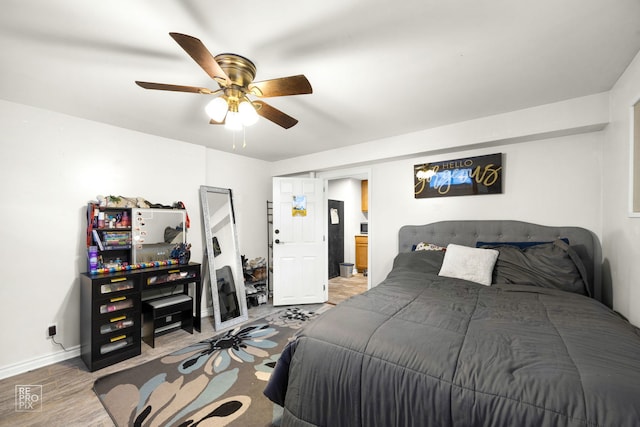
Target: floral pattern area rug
215, 382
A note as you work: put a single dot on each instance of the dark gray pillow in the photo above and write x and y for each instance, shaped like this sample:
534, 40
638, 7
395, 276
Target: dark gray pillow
420, 261
551, 265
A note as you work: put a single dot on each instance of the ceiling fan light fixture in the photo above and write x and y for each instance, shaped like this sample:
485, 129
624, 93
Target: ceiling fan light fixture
233, 121
217, 109
247, 113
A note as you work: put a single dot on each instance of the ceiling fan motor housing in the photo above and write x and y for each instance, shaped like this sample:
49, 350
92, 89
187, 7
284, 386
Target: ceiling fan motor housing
240, 70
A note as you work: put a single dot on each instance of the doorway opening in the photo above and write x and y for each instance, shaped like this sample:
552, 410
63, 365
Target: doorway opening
346, 194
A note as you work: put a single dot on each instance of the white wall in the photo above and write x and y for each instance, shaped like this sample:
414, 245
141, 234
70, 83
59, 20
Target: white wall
250, 182
544, 182
574, 116
553, 162
51, 165
621, 234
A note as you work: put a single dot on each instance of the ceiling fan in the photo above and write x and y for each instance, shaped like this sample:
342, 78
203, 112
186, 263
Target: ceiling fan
235, 104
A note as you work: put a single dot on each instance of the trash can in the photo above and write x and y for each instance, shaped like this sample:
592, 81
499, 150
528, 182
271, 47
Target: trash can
346, 269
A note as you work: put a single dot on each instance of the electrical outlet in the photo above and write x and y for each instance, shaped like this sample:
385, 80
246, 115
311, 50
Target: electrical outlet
52, 330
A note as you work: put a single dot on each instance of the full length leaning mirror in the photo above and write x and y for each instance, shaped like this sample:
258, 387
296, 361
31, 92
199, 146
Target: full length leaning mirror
224, 264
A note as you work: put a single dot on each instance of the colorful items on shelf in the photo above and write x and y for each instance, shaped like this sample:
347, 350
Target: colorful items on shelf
182, 253
99, 219
109, 236
115, 239
136, 266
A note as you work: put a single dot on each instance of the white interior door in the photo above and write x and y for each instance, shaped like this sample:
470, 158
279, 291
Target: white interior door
299, 247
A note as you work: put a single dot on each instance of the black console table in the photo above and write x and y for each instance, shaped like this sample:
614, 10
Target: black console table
110, 312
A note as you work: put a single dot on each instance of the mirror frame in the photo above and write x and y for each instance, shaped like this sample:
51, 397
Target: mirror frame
238, 274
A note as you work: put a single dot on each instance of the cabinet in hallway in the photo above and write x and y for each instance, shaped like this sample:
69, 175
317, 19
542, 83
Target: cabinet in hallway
362, 252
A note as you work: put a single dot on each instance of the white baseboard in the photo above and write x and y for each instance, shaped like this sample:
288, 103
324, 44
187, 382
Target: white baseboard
38, 362
59, 356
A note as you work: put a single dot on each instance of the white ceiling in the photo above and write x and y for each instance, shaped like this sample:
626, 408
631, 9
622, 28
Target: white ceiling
378, 68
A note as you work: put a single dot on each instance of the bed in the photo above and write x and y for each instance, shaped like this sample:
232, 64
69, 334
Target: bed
428, 348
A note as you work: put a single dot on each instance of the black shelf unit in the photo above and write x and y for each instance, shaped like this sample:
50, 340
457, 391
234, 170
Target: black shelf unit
256, 285
109, 230
270, 248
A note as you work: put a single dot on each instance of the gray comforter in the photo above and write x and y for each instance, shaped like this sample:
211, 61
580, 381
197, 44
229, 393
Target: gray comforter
424, 350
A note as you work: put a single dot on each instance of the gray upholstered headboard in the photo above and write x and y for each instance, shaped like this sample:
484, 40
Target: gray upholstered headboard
467, 233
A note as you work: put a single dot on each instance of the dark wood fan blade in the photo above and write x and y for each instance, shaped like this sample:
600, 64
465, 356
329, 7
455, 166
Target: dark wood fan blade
275, 115
284, 86
197, 50
177, 88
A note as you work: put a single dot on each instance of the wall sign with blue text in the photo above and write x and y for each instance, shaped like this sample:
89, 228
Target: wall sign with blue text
459, 177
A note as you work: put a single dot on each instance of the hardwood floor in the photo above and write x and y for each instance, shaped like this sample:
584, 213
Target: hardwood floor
67, 387
341, 288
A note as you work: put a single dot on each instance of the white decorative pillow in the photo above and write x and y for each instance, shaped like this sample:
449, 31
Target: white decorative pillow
473, 264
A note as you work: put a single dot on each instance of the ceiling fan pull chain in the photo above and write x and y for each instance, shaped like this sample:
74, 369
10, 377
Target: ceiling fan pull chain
234, 140
244, 137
